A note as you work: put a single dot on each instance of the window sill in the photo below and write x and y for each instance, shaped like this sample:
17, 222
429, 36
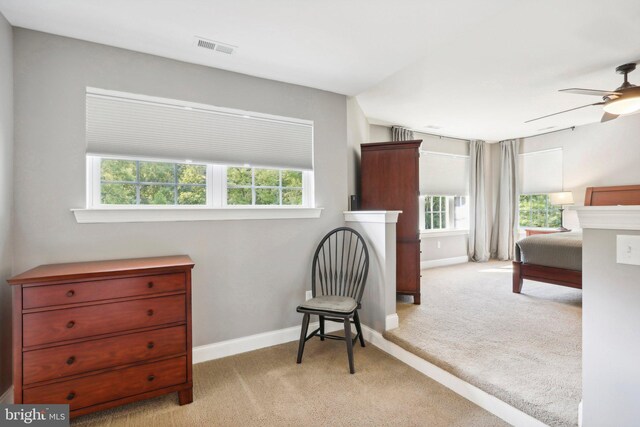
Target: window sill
443, 233
112, 215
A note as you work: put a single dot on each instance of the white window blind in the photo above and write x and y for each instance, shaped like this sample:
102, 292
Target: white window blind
443, 174
122, 124
540, 171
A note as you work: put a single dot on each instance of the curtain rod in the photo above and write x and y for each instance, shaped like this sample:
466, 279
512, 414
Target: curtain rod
439, 136
572, 128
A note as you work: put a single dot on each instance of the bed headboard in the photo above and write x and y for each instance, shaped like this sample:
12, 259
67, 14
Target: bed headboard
612, 196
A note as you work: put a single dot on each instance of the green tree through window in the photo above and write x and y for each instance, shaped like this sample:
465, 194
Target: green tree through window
133, 182
536, 211
258, 186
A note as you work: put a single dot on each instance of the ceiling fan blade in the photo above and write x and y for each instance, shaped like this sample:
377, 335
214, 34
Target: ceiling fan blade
565, 111
608, 116
595, 92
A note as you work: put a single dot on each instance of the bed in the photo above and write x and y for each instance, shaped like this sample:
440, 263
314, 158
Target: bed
557, 258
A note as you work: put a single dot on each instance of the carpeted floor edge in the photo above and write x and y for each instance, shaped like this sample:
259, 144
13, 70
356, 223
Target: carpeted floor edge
502, 394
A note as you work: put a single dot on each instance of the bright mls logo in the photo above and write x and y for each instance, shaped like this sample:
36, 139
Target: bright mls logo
35, 415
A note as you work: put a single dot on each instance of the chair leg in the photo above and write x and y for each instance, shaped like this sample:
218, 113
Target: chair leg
356, 320
347, 338
321, 328
303, 335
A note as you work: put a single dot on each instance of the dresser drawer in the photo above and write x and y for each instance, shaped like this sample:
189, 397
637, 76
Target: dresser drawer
62, 361
69, 293
71, 323
90, 390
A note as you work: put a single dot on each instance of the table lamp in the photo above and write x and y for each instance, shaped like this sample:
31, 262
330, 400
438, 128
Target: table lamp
561, 199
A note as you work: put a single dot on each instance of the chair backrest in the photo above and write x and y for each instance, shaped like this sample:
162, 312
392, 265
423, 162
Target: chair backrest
340, 264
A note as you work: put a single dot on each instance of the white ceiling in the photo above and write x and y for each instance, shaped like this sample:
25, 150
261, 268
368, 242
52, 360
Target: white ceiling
475, 69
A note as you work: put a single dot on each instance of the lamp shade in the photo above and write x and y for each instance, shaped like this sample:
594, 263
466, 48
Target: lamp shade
561, 198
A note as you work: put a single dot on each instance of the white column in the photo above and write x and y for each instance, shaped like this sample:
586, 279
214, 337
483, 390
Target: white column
378, 228
610, 317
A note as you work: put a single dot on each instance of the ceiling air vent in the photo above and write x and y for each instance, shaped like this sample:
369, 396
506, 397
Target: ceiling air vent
215, 46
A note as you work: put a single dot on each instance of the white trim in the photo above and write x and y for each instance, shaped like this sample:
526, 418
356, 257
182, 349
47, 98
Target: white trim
580, 414
205, 353
156, 214
442, 233
443, 261
609, 217
481, 398
7, 397
391, 322
389, 217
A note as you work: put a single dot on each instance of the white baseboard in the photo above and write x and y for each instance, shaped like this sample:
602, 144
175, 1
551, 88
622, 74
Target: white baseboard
221, 349
7, 397
481, 398
580, 414
391, 322
443, 261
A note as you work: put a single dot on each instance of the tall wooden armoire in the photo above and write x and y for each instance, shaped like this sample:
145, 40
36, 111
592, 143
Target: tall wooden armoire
389, 181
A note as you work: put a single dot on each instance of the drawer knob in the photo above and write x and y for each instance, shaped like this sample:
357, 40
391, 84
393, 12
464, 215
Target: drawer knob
150, 285
150, 345
71, 324
149, 312
71, 293
151, 378
71, 395
71, 360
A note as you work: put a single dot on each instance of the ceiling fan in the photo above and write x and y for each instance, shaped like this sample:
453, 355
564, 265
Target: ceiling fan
622, 101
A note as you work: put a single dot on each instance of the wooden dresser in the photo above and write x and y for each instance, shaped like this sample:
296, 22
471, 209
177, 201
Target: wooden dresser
390, 181
96, 335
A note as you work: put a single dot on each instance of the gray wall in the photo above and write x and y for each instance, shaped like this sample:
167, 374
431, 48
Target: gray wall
249, 275
599, 154
450, 247
610, 333
6, 197
357, 133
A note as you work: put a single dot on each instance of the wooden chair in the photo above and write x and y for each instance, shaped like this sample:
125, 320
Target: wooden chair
338, 278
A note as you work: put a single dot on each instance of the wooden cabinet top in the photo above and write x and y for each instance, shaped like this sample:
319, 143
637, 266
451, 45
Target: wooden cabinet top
119, 267
370, 146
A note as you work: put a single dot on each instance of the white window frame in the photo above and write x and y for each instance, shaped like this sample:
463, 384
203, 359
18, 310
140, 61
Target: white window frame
444, 213
450, 217
215, 209
307, 193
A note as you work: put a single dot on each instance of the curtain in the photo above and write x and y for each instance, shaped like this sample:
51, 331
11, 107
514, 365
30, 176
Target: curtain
401, 134
478, 235
505, 224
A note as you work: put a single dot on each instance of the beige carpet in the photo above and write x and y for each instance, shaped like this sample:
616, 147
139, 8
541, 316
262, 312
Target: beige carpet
267, 388
524, 349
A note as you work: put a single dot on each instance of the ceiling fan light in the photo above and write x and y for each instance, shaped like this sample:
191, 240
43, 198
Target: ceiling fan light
623, 106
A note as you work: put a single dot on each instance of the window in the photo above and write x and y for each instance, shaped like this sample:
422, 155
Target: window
117, 182
536, 211
254, 186
161, 159
445, 212
134, 182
